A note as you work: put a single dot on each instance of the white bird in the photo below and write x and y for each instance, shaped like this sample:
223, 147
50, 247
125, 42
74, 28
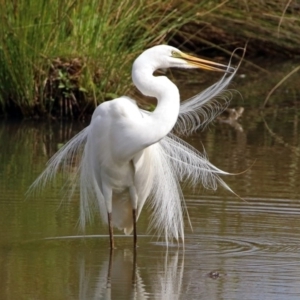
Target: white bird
129, 151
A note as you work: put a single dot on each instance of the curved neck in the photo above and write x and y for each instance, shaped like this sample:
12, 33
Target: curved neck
161, 121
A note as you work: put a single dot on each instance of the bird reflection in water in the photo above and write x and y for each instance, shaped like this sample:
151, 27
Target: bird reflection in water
120, 277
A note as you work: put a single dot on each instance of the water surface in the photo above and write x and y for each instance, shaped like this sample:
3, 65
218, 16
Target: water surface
238, 249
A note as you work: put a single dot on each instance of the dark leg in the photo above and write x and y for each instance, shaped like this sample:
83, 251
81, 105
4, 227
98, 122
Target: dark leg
111, 234
134, 228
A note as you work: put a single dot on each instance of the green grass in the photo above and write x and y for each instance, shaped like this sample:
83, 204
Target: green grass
62, 58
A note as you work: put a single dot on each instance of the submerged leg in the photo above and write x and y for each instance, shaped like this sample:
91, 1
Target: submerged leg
108, 280
111, 233
134, 270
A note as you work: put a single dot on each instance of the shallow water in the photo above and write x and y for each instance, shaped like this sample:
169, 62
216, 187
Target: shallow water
238, 249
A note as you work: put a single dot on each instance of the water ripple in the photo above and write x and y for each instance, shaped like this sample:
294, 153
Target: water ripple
221, 246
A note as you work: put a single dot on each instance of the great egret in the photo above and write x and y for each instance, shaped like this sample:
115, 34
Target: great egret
127, 150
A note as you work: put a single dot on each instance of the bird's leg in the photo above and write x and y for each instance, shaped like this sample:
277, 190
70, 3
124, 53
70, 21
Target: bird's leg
134, 200
107, 194
134, 227
111, 233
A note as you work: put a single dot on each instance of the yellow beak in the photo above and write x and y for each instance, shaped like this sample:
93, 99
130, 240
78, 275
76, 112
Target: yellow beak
206, 64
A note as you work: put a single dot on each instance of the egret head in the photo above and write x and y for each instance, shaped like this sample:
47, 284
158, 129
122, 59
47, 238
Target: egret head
164, 56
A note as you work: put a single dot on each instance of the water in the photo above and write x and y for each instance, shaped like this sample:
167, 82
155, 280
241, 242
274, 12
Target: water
239, 248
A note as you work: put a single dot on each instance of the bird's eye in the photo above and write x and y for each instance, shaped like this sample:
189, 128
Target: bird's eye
175, 54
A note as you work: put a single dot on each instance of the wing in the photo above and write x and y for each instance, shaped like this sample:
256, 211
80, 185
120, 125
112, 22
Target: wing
75, 153
121, 126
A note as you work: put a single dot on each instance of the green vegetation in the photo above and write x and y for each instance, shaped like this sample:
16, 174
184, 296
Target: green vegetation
270, 27
61, 58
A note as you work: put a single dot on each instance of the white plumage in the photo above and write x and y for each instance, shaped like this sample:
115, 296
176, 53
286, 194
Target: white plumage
128, 151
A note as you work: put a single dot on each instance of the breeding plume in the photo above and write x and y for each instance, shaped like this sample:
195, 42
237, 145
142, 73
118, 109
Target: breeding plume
128, 156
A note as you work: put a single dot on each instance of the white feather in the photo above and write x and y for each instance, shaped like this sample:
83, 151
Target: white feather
202, 108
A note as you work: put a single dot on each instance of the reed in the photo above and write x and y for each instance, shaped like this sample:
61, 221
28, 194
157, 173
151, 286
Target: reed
270, 27
59, 58
62, 58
